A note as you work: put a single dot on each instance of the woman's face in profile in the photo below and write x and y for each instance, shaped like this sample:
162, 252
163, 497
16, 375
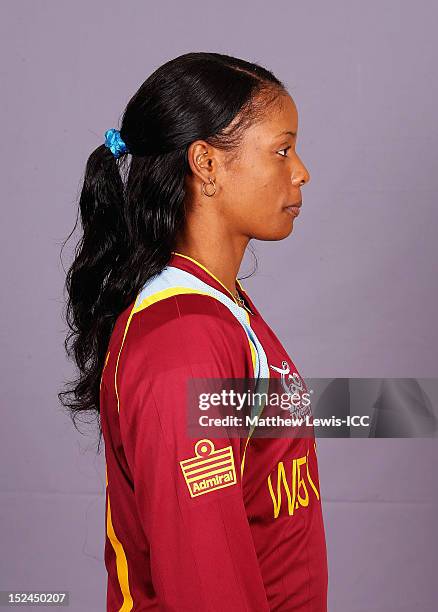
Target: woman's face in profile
256, 188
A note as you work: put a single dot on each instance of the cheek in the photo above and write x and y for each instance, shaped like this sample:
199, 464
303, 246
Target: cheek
254, 192
260, 184
266, 190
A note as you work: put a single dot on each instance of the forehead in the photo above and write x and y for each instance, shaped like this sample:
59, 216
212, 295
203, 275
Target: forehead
280, 117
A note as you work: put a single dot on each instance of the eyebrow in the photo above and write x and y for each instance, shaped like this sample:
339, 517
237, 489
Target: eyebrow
286, 132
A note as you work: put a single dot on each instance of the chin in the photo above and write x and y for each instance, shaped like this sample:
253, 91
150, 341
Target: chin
275, 233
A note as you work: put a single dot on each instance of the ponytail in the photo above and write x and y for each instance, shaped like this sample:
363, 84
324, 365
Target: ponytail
93, 297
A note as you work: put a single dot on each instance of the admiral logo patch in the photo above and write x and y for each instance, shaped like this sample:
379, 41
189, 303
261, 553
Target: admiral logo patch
210, 469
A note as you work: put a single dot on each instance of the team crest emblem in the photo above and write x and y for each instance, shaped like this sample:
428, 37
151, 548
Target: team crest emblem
292, 383
210, 469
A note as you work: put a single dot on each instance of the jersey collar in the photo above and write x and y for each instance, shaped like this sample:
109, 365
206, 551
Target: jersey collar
189, 264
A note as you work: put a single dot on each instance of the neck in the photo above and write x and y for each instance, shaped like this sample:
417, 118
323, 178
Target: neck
223, 262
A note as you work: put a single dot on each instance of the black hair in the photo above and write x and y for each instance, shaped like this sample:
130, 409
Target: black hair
131, 216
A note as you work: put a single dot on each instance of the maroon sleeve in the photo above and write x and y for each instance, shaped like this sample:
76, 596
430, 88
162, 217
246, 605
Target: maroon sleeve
188, 491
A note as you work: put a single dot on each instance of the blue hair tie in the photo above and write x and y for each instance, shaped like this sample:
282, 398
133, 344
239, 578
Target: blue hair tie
115, 143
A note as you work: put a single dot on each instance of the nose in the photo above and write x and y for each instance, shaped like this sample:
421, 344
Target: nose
300, 175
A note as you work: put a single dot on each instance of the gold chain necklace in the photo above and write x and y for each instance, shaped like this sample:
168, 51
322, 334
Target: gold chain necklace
239, 300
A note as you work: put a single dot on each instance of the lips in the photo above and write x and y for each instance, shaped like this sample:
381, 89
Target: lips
293, 209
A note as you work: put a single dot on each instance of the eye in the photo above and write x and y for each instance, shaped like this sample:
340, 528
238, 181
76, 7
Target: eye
285, 149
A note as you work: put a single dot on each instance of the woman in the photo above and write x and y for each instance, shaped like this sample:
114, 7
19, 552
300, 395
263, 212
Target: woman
204, 523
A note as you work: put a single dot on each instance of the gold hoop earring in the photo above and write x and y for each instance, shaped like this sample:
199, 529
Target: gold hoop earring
211, 181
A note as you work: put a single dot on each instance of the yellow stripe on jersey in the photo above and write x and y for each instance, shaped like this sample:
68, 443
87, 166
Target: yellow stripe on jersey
118, 356
165, 293
121, 562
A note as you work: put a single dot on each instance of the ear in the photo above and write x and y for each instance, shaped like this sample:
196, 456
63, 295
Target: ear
202, 160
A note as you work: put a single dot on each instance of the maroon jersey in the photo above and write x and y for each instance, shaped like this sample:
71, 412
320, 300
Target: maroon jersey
207, 524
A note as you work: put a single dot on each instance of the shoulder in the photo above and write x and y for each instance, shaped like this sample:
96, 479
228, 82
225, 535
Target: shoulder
184, 331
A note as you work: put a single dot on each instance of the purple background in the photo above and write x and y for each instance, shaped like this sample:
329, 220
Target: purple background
352, 292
